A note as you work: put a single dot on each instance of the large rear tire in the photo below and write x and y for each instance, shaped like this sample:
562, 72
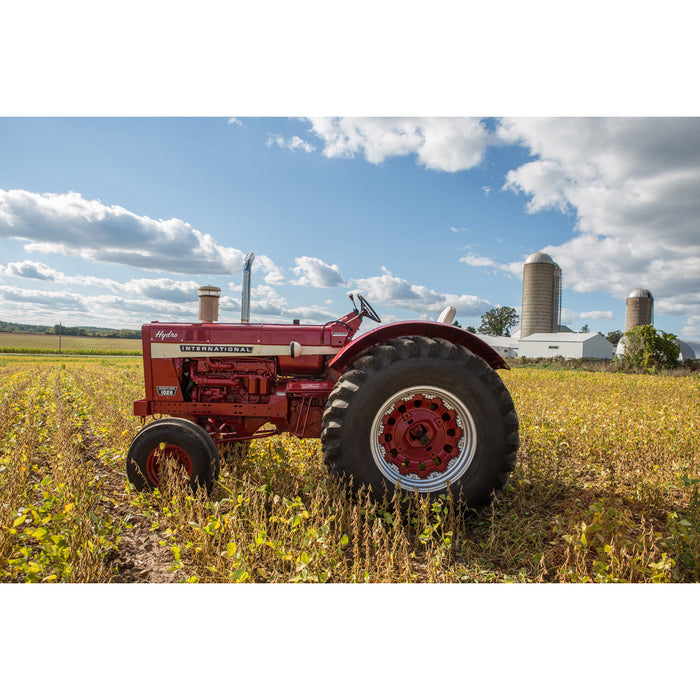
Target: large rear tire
172, 439
425, 415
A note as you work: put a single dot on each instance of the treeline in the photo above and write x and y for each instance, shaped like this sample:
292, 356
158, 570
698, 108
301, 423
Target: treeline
87, 331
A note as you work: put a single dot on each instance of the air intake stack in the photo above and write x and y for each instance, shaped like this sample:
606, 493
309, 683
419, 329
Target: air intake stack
209, 304
640, 308
542, 285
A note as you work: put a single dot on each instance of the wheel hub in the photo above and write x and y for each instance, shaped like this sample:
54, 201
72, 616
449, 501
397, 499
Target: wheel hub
165, 452
420, 435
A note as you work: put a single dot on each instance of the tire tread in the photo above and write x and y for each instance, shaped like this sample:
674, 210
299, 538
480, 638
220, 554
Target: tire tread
407, 348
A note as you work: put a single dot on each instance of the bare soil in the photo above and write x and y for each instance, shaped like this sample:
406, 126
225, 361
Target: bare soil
139, 557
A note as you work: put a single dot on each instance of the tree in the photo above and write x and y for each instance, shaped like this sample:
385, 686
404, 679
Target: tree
584, 329
498, 321
471, 329
614, 337
456, 323
645, 348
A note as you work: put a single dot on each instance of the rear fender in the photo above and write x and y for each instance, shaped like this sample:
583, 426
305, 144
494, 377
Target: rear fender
382, 334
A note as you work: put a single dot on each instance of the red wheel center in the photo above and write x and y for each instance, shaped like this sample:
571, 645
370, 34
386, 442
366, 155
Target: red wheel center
165, 452
420, 435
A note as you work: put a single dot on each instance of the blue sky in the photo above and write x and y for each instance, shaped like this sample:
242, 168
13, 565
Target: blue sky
116, 221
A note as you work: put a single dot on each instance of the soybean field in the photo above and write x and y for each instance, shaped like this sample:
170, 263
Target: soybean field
605, 490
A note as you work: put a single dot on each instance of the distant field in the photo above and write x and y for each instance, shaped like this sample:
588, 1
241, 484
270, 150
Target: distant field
42, 342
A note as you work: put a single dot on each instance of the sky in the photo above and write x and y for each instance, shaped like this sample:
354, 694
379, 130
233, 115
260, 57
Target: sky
116, 222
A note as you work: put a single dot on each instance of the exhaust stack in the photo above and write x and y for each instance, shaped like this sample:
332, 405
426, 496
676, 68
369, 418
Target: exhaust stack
209, 304
245, 300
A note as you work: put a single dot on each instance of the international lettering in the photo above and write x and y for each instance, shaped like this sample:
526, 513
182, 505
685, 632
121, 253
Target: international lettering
217, 348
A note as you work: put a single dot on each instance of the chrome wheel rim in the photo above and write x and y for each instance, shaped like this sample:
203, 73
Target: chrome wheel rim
423, 439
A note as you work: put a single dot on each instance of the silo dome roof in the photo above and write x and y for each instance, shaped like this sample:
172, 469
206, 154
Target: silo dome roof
640, 292
539, 258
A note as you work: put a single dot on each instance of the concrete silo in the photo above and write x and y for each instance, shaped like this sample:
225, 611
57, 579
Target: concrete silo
541, 308
640, 308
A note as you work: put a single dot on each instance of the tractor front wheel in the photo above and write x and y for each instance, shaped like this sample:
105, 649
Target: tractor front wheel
425, 415
173, 443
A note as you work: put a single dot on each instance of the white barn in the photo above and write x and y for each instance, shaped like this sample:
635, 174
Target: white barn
570, 345
505, 346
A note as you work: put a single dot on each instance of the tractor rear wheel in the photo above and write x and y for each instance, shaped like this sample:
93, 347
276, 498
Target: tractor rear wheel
178, 442
422, 414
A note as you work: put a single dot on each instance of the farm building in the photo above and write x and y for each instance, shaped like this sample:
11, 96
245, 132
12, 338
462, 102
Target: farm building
505, 346
569, 345
537, 335
690, 350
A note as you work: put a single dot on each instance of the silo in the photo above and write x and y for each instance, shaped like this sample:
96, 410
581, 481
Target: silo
541, 295
640, 308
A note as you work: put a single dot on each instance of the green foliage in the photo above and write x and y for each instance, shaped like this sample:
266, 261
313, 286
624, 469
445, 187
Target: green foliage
647, 348
614, 337
684, 529
498, 321
55, 523
611, 545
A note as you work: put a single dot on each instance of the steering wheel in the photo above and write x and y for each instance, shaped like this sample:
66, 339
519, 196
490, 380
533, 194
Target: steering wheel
367, 310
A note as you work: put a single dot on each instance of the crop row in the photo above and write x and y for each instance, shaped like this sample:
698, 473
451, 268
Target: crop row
55, 522
606, 489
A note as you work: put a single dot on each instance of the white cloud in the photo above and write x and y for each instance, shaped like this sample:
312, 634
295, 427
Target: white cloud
680, 304
273, 274
293, 144
449, 144
235, 120
161, 289
41, 298
595, 315
313, 272
265, 300
569, 316
474, 260
32, 270
28, 269
104, 310
137, 300
395, 291
310, 314
164, 300
542, 180
268, 303
71, 225
632, 185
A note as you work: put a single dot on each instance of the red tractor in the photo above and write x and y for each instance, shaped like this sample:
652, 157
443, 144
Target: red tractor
413, 405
